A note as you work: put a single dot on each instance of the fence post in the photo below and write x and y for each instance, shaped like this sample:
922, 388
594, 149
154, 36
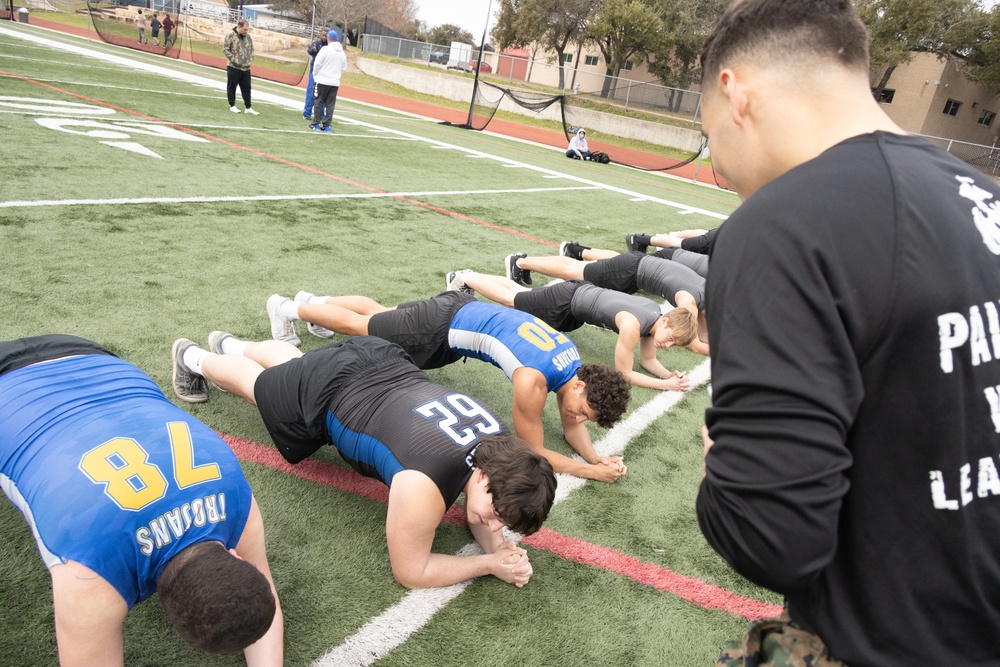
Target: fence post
628, 93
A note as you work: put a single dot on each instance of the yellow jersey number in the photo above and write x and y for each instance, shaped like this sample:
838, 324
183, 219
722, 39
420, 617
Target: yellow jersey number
541, 335
131, 481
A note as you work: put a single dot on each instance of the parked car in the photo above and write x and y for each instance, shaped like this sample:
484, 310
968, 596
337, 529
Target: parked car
485, 67
441, 58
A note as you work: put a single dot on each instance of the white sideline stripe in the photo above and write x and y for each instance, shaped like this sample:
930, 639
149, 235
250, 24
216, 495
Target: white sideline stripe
392, 627
377, 638
271, 98
417, 607
231, 198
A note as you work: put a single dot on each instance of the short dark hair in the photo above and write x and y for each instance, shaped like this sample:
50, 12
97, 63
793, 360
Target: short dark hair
607, 392
215, 602
786, 30
522, 482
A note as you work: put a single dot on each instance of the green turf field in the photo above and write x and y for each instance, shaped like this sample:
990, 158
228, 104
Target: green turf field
136, 209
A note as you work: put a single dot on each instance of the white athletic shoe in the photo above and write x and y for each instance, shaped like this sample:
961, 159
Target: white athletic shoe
303, 296
215, 340
281, 329
234, 109
250, 111
454, 281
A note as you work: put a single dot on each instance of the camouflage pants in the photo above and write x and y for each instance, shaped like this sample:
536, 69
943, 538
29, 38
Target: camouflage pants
774, 642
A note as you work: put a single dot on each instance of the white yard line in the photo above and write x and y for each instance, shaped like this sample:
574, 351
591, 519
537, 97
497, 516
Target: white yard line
245, 198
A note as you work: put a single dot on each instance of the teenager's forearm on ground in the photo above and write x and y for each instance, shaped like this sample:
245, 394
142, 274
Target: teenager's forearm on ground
445, 570
488, 539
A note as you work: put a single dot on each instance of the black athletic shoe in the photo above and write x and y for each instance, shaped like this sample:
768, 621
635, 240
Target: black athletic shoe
633, 243
572, 250
516, 273
188, 385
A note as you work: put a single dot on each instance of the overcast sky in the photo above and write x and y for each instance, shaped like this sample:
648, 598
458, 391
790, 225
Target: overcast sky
468, 14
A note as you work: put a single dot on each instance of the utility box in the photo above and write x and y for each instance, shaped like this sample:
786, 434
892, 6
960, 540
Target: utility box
22, 14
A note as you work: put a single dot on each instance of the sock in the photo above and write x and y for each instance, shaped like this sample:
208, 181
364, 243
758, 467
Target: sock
193, 358
289, 310
317, 299
234, 345
642, 238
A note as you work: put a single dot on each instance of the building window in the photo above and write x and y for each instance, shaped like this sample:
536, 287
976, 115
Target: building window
885, 97
567, 58
987, 118
628, 65
951, 107
591, 60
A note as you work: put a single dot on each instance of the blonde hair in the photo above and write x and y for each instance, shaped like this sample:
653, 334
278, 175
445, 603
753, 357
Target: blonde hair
682, 325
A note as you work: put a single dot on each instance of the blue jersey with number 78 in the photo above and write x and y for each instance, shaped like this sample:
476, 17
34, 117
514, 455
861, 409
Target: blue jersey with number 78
111, 474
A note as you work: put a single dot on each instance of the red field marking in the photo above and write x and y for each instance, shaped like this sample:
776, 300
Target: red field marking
268, 156
690, 589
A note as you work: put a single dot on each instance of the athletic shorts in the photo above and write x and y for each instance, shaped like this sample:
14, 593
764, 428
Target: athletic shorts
23, 352
294, 398
616, 273
551, 304
421, 328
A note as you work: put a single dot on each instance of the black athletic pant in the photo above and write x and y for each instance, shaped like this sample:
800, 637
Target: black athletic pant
326, 99
238, 77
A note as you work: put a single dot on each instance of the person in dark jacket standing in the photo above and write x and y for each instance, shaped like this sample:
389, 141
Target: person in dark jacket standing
238, 47
168, 30
312, 50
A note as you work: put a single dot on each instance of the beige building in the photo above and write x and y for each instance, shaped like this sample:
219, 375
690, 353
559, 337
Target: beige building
932, 97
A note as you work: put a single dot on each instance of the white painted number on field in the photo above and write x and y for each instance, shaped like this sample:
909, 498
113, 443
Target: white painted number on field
66, 117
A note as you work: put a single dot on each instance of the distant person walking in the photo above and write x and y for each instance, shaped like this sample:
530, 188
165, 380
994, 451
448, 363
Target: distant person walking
168, 30
140, 24
327, 70
154, 27
238, 47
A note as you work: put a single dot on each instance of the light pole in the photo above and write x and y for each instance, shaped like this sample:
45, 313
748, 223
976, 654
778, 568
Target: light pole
479, 65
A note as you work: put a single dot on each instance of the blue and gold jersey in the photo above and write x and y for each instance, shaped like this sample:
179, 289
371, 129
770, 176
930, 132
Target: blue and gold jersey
111, 474
510, 339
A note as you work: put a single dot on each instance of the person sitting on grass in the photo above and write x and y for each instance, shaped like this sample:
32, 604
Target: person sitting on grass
627, 272
453, 325
128, 495
578, 149
568, 305
426, 442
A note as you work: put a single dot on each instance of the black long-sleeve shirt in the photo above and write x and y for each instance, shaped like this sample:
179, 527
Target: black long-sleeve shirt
853, 313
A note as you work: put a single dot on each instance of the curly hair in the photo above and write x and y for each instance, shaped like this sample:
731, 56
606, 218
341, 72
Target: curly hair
683, 325
215, 602
522, 482
607, 392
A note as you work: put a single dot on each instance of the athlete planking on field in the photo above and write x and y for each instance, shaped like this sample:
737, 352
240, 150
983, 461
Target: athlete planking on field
439, 331
568, 305
626, 272
855, 370
696, 241
128, 495
426, 442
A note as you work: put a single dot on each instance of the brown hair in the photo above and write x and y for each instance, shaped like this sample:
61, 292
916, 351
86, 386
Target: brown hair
683, 325
786, 31
215, 602
607, 392
521, 481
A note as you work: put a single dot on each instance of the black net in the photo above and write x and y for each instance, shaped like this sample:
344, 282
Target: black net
196, 32
582, 110
488, 98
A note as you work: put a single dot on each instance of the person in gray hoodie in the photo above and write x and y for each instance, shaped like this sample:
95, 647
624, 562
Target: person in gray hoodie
328, 67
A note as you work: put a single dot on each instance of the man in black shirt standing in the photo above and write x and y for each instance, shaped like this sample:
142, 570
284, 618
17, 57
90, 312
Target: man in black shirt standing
851, 458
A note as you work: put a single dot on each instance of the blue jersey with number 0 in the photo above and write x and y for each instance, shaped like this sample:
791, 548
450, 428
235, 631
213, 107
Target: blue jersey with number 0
111, 474
510, 339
